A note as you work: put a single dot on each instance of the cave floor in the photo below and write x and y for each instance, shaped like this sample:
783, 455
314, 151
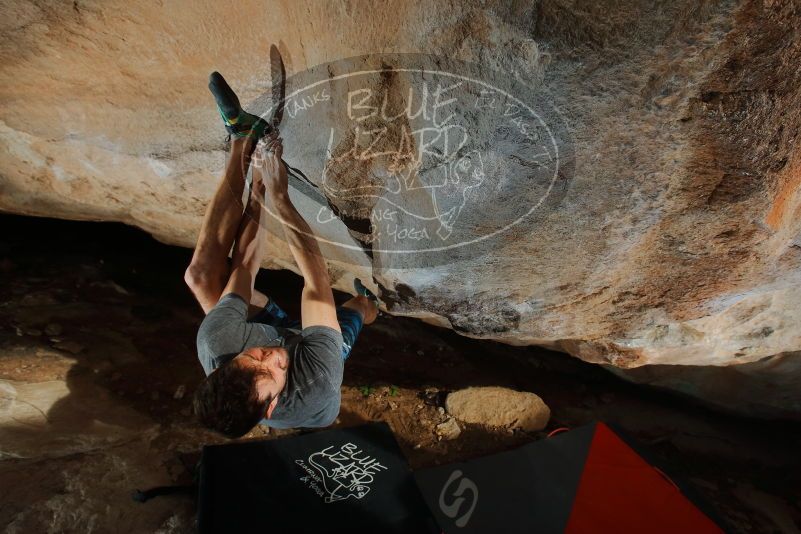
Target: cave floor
97, 349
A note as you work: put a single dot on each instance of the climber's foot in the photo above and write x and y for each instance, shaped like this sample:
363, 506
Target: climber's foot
364, 306
238, 122
364, 292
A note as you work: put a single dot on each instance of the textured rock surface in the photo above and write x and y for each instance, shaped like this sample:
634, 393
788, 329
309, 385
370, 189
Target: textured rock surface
449, 429
674, 241
495, 406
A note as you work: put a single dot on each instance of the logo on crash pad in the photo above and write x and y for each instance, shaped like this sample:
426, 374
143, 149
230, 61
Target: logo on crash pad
340, 473
452, 506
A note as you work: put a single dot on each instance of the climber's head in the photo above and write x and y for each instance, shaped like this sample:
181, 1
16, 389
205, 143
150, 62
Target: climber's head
243, 391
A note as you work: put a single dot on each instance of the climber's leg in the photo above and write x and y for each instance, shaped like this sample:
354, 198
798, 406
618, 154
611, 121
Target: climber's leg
207, 274
351, 316
366, 308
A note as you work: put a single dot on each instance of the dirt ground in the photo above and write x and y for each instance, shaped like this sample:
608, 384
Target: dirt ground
97, 350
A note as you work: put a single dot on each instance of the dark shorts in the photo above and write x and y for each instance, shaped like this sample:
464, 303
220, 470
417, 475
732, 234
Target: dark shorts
350, 323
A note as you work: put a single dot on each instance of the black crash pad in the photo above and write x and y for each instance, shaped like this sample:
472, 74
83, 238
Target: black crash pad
351, 479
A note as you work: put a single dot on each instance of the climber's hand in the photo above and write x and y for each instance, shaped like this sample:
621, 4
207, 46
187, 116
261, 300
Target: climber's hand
267, 157
258, 188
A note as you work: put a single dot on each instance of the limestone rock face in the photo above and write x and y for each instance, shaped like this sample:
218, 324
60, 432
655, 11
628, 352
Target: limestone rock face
668, 236
496, 406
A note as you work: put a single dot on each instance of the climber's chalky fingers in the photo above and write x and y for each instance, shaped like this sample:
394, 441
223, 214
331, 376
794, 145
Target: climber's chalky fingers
269, 146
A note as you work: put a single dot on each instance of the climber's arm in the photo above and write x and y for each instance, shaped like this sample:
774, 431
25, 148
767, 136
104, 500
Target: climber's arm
317, 306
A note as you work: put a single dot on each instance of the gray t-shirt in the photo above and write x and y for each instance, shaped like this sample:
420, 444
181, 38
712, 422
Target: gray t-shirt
311, 397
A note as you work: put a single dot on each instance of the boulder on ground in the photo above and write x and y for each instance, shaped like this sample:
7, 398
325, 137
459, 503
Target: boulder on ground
497, 406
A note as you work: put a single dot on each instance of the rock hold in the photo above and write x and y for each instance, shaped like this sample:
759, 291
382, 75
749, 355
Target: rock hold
69, 346
53, 329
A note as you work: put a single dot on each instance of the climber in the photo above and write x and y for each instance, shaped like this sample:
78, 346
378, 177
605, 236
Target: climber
261, 366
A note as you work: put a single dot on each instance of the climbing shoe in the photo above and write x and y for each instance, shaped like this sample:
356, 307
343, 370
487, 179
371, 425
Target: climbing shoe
363, 291
238, 122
